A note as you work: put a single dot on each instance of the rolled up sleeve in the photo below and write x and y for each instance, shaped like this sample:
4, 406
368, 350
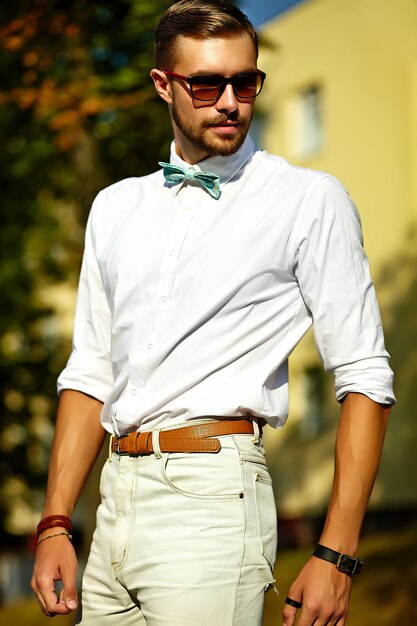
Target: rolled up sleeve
89, 368
333, 275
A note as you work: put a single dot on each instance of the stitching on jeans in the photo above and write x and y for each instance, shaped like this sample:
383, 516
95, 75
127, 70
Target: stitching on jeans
190, 494
132, 514
244, 504
259, 479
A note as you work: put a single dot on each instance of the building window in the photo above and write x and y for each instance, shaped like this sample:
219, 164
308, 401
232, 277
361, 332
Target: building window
311, 119
305, 121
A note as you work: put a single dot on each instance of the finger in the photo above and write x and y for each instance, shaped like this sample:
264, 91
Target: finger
292, 605
49, 599
38, 596
297, 604
69, 592
309, 618
323, 617
289, 613
70, 603
339, 621
41, 606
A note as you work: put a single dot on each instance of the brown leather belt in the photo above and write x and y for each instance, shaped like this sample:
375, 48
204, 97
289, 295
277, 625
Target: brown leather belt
197, 438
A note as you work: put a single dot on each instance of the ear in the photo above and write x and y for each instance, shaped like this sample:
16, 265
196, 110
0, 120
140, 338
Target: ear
162, 86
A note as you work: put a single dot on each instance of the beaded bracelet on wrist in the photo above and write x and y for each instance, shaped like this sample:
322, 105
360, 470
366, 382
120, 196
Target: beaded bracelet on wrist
64, 533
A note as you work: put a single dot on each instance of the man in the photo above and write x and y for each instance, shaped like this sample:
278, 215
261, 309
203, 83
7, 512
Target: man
193, 292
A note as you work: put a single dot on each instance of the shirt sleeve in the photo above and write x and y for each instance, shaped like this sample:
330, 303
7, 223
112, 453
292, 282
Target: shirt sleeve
89, 368
333, 275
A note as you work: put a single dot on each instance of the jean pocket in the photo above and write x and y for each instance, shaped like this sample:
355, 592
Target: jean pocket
266, 515
207, 476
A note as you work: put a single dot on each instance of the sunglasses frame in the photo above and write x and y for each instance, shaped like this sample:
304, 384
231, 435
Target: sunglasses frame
225, 81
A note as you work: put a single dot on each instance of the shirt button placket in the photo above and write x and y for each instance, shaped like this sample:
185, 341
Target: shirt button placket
184, 217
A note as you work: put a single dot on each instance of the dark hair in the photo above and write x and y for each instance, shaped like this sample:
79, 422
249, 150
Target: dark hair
200, 19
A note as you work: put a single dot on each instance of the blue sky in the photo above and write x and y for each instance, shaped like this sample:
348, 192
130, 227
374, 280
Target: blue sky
260, 11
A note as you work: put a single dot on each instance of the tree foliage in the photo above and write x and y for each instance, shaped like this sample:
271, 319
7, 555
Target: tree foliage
77, 112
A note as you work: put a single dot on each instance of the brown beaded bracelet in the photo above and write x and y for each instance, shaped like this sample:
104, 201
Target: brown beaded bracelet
53, 521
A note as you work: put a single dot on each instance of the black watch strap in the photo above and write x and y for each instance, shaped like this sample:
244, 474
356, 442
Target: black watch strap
344, 563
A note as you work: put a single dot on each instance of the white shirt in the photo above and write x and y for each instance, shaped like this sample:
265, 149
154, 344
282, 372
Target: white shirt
190, 306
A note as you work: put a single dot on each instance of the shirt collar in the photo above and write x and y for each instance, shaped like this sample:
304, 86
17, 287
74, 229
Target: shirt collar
224, 166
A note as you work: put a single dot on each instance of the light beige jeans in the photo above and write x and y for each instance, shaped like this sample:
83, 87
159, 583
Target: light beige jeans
184, 539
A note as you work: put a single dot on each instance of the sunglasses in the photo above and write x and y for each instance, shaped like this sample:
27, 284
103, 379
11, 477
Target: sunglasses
210, 88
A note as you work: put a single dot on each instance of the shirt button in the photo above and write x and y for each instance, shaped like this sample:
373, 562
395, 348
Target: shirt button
133, 392
172, 252
188, 208
164, 299
150, 346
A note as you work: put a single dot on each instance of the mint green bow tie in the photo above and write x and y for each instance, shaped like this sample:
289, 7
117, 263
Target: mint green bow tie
175, 175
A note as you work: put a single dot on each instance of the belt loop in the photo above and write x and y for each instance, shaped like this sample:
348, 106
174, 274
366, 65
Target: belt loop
155, 444
110, 452
256, 431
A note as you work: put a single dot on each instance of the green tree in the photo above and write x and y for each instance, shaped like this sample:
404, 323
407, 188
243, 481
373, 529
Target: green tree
77, 112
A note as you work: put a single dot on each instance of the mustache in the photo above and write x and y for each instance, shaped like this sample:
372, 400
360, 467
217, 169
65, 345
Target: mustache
223, 119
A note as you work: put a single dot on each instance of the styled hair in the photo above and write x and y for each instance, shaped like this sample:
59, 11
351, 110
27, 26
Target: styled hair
200, 19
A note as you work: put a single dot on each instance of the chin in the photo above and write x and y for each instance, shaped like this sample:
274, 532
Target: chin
225, 145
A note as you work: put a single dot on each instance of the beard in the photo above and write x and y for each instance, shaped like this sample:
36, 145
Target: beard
206, 141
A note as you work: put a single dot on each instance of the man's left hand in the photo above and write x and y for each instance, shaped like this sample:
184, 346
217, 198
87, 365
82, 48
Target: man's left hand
324, 593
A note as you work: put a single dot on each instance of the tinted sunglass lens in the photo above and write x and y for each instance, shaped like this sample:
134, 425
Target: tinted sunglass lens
247, 86
206, 87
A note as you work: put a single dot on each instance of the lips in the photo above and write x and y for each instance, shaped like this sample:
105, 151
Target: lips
225, 128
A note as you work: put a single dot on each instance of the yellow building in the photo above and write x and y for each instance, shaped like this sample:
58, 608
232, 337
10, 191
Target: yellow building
341, 96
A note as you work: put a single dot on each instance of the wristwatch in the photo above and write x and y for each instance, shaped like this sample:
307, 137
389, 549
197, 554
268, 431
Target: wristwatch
344, 563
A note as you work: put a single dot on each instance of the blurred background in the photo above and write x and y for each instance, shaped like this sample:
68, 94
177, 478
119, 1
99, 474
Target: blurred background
78, 112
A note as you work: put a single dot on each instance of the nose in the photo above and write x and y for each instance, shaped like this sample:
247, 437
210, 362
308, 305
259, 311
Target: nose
228, 100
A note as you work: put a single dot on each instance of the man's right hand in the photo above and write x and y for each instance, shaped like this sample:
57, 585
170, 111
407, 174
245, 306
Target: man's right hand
79, 437
55, 561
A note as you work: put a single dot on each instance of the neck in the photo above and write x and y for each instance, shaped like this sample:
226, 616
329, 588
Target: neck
186, 150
